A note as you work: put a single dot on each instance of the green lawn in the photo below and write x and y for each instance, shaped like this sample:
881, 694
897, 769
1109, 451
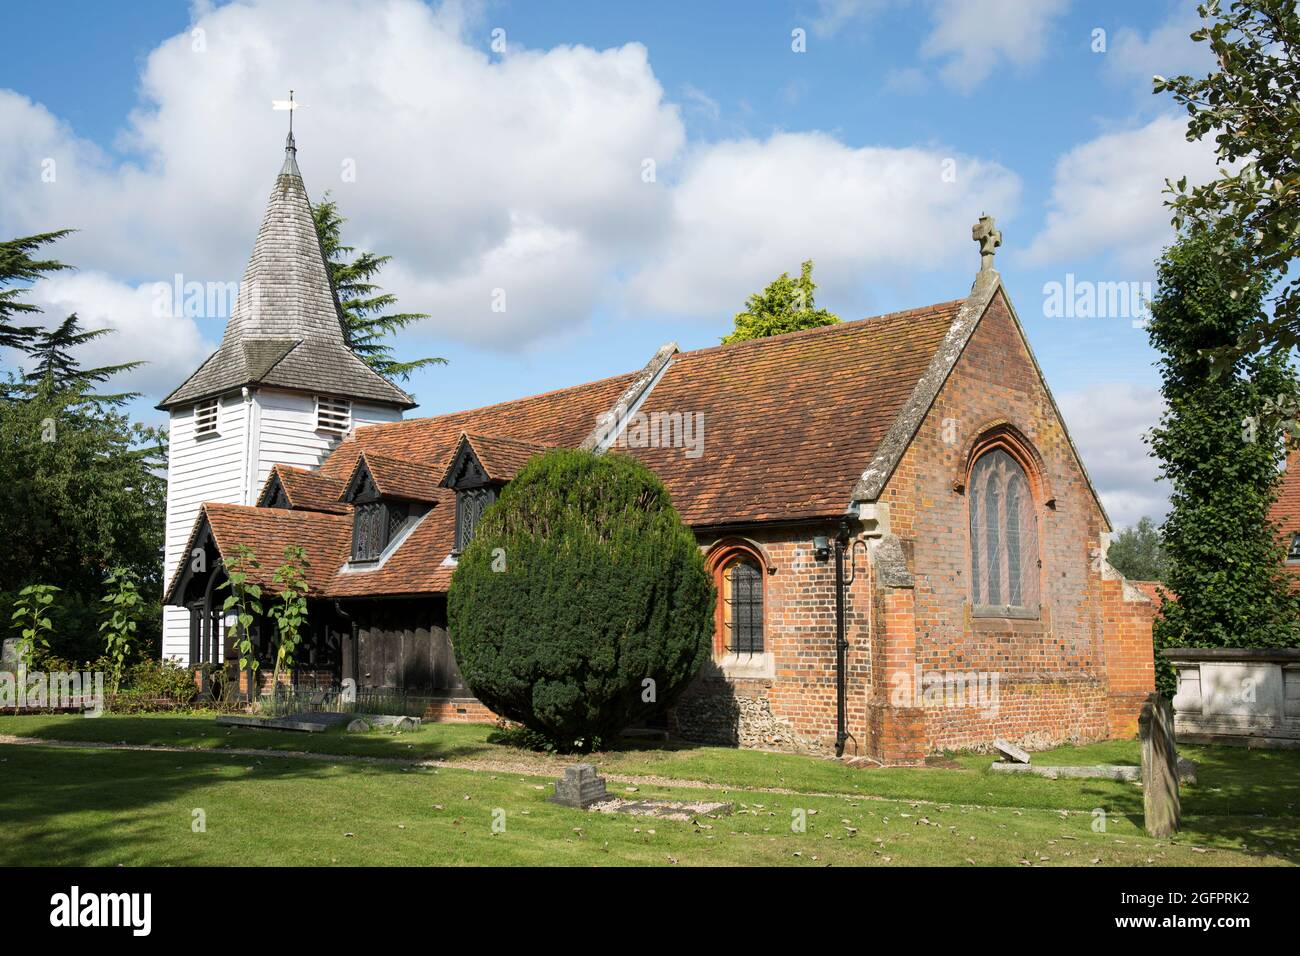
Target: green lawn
103, 807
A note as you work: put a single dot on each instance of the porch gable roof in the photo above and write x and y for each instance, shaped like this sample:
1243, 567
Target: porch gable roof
325, 538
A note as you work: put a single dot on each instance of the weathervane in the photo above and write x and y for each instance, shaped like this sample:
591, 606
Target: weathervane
989, 239
289, 105
290, 147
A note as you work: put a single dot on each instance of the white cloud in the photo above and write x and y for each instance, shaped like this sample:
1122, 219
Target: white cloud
833, 15
507, 295
171, 345
1135, 57
1108, 422
1107, 195
746, 210
470, 168
523, 172
975, 39
970, 40
907, 80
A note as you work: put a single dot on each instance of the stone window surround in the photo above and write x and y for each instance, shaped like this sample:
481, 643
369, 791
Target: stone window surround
747, 666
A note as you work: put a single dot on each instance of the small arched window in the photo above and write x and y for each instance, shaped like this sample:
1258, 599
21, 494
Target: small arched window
738, 571
1003, 537
743, 597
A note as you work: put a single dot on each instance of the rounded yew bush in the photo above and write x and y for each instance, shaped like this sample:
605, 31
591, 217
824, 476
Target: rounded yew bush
582, 605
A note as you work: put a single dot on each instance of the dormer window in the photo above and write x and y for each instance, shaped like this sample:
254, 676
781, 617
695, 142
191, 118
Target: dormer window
374, 520
470, 505
479, 468
333, 415
475, 490
388, 498
206, 414
368, 531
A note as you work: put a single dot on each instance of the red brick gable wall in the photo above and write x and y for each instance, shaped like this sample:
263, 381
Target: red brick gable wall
1076, 673
1286, 512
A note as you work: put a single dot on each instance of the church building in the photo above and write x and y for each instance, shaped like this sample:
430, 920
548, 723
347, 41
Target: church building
908, 551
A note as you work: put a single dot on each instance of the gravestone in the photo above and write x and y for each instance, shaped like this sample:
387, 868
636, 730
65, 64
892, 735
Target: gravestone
1108, 771
579, 787
1159, 767
1010, 751
274, 723
394, 722
9, 657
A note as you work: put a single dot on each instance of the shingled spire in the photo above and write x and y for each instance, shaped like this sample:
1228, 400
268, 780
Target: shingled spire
286, 328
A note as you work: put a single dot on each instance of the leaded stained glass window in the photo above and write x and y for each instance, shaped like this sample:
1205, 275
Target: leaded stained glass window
1003, 535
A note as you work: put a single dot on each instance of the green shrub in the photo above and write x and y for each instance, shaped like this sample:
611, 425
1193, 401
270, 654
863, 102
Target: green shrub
582, 604
148, 685
151, 685
1220, 454
517, 735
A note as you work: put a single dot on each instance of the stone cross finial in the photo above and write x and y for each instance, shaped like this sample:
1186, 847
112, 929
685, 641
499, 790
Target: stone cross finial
989, 239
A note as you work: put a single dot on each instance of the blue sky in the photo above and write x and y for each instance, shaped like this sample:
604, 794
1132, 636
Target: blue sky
871, 150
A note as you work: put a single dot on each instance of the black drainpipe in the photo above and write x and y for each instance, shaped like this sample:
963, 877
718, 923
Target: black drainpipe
841, 641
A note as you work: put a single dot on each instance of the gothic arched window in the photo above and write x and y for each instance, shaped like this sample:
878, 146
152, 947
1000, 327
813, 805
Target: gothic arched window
1003, 536
738, 572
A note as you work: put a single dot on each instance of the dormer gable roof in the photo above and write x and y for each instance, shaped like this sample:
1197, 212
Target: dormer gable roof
304, 490
391, 478
487, 459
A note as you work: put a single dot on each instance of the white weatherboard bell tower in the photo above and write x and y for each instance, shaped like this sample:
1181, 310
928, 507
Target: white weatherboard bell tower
282, 389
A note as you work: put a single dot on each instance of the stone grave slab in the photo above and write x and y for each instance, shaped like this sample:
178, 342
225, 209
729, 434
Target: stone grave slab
663, 809
1010, 751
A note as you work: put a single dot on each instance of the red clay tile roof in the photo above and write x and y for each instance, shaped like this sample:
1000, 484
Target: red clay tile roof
308, 490
396, 478
500, 457
326, 539
790, 421
789, 424
416, 566
562, 418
